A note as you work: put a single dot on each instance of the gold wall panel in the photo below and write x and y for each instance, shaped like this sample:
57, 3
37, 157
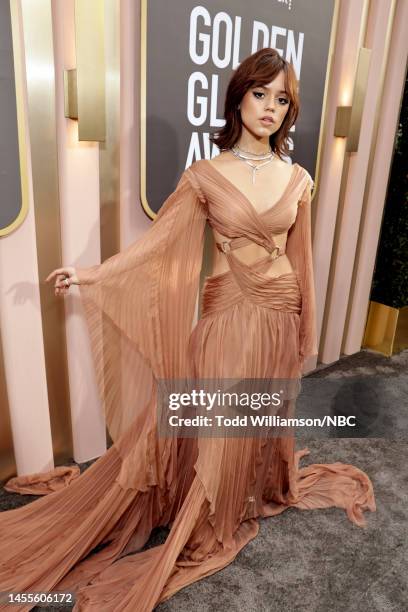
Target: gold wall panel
90, 64
387, 329
38, 39
109, 150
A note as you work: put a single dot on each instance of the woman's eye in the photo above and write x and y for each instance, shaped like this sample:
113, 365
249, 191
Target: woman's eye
259, 95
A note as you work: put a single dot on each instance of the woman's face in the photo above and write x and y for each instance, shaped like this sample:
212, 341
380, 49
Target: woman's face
264, 108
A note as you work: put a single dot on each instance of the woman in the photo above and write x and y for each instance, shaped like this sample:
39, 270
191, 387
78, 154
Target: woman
257, 322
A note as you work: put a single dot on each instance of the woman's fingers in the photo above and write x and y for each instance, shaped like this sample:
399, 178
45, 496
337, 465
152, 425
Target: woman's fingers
60, 282
61, 290
55, 273
61, 275
60, 285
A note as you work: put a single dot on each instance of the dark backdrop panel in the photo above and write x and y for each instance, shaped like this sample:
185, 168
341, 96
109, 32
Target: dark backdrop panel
202, 44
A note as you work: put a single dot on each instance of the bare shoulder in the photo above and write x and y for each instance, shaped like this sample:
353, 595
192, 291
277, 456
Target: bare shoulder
283, 166
223, 158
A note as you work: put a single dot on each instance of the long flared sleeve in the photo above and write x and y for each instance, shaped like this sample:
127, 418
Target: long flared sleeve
299, 251
139, 307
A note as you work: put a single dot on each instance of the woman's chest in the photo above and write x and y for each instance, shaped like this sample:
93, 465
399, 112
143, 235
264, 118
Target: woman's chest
228, 216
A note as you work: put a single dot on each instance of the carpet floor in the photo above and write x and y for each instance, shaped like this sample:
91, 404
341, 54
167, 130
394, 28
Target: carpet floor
305, 560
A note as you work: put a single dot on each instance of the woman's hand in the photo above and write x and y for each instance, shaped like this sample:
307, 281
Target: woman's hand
64, 278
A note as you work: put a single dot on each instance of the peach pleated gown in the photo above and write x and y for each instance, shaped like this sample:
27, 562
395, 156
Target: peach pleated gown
139, 306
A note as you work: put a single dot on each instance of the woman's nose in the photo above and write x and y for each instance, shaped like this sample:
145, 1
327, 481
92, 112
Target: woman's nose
270, 104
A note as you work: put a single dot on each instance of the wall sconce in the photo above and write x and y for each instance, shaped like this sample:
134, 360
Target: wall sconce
70, 94
348, 118
84, 87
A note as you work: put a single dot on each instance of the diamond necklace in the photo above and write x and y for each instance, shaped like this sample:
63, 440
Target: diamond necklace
255, 167
251, 155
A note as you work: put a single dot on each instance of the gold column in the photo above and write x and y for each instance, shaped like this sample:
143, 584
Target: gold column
39, 55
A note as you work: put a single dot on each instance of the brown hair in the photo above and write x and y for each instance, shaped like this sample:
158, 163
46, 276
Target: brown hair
260, 68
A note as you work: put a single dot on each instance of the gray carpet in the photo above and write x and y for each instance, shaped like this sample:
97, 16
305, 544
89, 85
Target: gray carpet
318, 560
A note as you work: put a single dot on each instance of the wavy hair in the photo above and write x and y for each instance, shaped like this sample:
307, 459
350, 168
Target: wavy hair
260, 68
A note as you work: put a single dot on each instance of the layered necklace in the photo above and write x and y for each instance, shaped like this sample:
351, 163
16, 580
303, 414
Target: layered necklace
248, 158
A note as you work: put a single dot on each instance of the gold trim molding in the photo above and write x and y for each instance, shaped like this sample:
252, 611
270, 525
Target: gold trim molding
21, 129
